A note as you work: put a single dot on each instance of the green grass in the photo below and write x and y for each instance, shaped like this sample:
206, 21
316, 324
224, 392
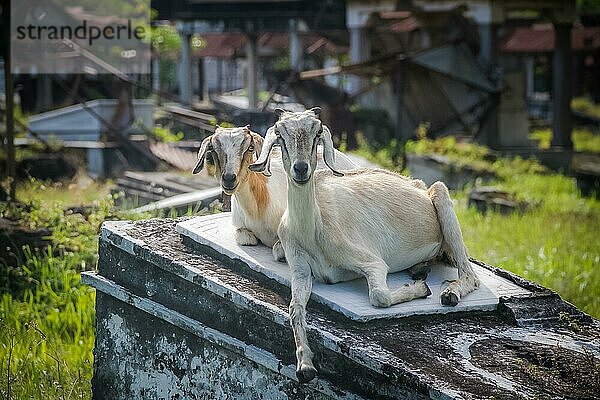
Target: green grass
554, 243
586, 106
46, 314
387, 157
46, 333
583, 139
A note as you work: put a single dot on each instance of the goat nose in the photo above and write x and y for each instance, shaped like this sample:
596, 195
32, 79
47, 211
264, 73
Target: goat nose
229, 177
301, 167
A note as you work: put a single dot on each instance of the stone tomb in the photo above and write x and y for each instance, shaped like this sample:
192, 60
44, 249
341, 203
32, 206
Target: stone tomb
180, 319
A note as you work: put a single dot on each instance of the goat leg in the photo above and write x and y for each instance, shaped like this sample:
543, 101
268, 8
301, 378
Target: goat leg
380, 294
301, 289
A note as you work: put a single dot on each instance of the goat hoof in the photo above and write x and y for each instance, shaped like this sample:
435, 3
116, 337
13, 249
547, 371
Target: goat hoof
419, 273
244, 237
428, 292
250, 242
278, 252
306, 373
419, 276
449, 298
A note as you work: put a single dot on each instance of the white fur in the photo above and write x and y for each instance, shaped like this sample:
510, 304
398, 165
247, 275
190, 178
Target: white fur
265, 227
367, 223
254, 225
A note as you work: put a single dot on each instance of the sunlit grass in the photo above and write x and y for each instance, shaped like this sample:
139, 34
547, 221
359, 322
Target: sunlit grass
46, 314
46, 334
586, 106
583, 139
555, 243
78, 192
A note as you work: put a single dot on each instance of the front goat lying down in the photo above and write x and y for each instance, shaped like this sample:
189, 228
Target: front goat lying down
366, 222
257, 201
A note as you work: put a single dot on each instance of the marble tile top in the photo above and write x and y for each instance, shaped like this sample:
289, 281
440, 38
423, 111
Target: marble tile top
350, 298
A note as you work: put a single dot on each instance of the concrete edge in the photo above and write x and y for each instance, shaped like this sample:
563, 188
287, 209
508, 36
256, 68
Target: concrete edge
115, 230
250, 352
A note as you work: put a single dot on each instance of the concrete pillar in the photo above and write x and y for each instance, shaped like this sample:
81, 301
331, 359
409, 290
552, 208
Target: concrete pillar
360, 50
201, 80
296, 49
402, 130
562, 123
488, 55
529, 75
219, 75
185, 70
44, 92
156, 77
488, 51
252, 71
203, 68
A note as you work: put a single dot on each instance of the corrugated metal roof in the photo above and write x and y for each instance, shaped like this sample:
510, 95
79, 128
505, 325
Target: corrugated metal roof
227, 45
539, 38
179, 158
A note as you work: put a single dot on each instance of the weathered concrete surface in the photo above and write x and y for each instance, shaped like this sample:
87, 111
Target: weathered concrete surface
144, 357
177, 322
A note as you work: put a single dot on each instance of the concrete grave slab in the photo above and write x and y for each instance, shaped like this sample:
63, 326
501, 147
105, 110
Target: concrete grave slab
350, 298
177, 319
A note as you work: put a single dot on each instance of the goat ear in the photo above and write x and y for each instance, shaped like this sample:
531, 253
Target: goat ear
279, 112
202, 155
316, 111
328, 151
264, 160
258, 141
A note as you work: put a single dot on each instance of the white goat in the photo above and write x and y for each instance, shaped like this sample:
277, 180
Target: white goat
368, 222
257, 202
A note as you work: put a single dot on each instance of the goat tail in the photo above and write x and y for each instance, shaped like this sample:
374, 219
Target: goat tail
452, 242
453, 245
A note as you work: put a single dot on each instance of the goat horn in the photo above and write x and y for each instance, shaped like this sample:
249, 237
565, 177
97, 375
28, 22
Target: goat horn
263, 162
328, 151
202, 155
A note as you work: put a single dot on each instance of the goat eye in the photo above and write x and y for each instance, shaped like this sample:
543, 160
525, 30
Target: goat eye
251, 148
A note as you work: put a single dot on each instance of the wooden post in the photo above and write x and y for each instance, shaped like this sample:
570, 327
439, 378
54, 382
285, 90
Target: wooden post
490, 136
10, 126
295, 47
185, 80
399, 86
562, 121
252, 72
